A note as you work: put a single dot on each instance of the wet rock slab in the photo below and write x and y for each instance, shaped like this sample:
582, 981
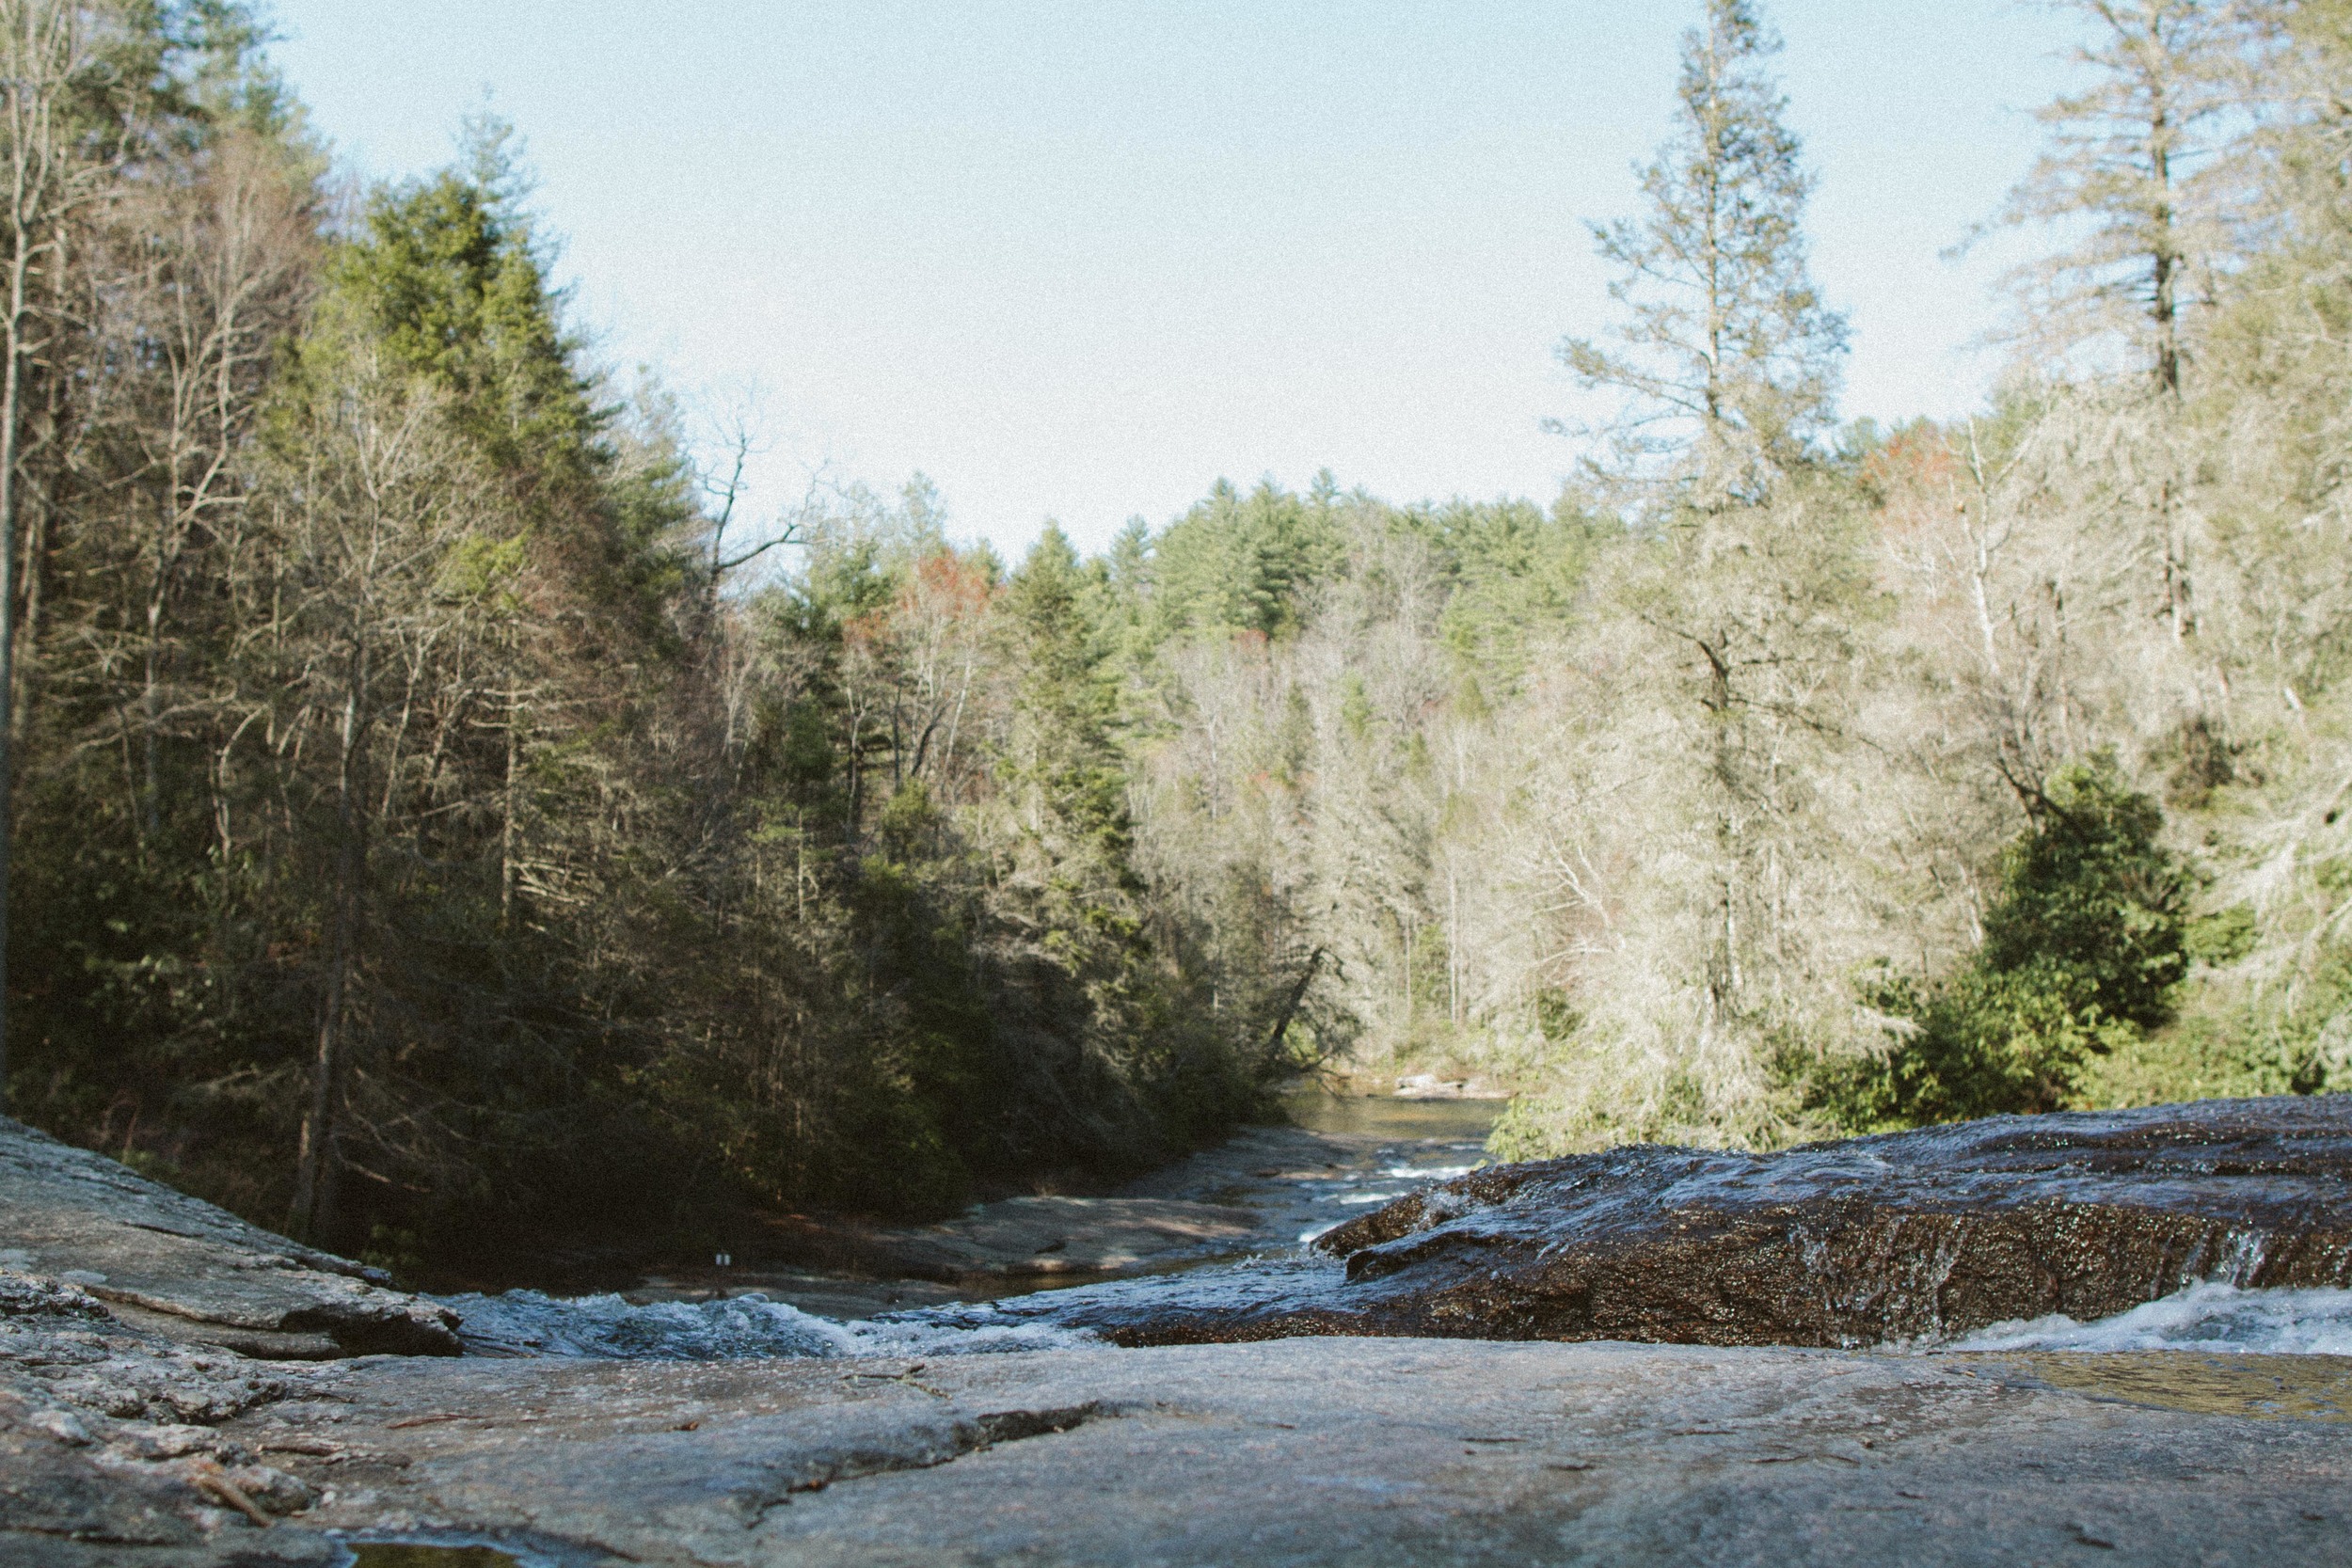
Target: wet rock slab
1300, 1453
1903, 1236
124, 1447
188, 1270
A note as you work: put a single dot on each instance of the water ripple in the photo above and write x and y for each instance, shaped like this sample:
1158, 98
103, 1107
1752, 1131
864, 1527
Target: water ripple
2212, 1316
745, 1327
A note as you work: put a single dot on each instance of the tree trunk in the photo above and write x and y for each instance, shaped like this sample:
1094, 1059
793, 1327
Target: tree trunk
11, 413
1290, 1003
150, 713
11, 396
2165, 259
506, 829
312, 1214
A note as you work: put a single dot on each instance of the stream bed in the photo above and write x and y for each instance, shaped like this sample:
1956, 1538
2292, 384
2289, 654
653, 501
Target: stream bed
1275, 1188
1265, 1195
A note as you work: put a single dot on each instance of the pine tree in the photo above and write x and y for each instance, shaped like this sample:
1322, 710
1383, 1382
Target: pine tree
2135, 157
1067, 777
449, 272
1729, 362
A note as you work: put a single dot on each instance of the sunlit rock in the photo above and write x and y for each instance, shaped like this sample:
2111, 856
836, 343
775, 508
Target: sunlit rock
190, 1270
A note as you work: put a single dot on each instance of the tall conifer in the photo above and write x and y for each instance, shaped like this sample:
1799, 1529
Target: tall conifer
2135, 160
1728, 359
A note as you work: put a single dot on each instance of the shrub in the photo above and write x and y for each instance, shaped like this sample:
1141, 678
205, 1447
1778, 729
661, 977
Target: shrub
2083, 946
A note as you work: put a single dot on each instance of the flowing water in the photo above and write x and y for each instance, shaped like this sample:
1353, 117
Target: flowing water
1341, 1156
2210, 1316
1346, 1156
1411, 1143
611, 1327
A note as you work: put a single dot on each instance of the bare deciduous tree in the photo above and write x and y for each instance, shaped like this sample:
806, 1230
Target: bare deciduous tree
51, 175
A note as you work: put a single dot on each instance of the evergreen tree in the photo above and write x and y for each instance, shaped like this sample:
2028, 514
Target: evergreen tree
1063, 766
1729, 361
2085, 947
451, 281
1242, 563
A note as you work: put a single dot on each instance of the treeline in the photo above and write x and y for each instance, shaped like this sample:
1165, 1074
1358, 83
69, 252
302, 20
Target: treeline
428, 835
1788, 778
444, 827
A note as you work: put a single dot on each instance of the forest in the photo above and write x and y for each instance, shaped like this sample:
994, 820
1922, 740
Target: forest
439, 818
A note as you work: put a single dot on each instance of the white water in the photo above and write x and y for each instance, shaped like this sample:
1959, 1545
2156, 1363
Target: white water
1334, 1199
1429, 1145
745, 1327
2212, 1316
1421, 1143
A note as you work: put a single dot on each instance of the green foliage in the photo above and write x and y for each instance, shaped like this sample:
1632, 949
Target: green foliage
1064, 757
2222, 937
451, 287
1726, 342
1244, 564
429, 759
1556, 1015
1516, 569
434, 749
2085, 946
2092, 901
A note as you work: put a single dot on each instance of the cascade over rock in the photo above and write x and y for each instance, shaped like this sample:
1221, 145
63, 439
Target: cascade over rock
1899, 1236
124, 1445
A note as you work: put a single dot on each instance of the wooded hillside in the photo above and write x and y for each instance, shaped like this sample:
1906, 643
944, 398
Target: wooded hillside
1788, 777
424, 835
439, 819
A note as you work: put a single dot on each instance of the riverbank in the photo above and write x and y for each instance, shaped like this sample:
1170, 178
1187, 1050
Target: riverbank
1266, 1190
1306, 1453
148, 1418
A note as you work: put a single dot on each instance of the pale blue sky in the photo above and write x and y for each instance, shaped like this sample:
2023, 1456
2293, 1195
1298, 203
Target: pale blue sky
1079, 260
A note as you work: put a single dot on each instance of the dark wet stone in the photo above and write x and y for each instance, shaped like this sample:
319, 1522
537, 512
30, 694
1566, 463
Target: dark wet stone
1901, 1236
1339, 1451
182, 1267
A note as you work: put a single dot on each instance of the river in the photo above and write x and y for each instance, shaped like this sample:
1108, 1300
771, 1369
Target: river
1239, 1212
1263, 1193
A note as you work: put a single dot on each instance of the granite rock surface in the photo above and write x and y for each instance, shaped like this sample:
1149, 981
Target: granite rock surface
125, 1447
191, 1271
1305, 1452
